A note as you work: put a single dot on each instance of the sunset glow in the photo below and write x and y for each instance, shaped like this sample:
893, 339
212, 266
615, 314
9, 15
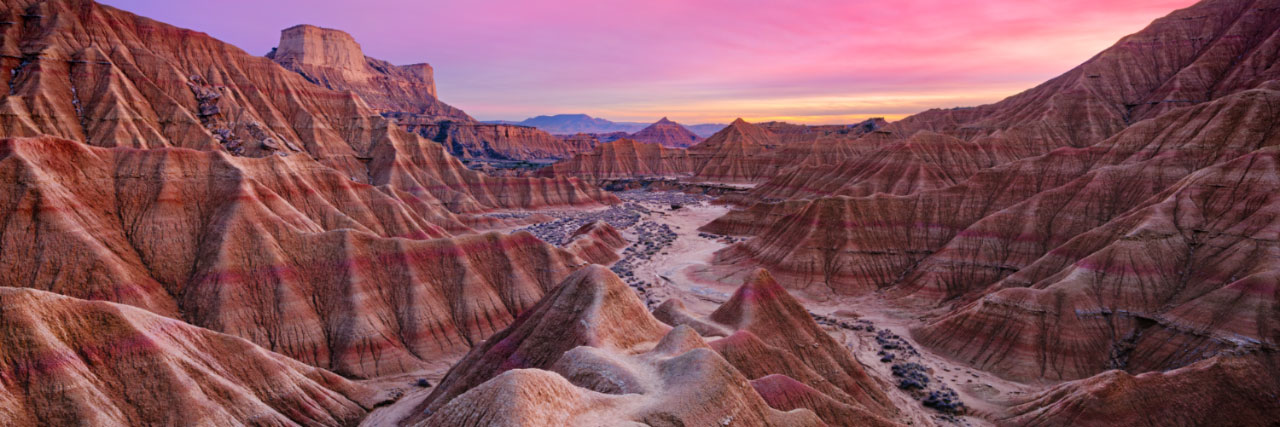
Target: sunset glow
826, 61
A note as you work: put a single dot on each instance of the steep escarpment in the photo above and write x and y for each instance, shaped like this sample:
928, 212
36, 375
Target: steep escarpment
1182, 279
407, 94
332, 58
1243, 27
958, 239
160, 86
1105, 181
924, 161
280, 250
1193, 55
667, 134
69, 361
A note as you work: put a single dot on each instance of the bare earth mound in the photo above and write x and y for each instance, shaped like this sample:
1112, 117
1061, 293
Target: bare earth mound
68, 362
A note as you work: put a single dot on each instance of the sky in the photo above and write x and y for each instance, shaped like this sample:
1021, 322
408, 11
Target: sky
804, 61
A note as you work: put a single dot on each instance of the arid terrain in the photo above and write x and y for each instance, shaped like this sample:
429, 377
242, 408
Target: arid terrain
191, 234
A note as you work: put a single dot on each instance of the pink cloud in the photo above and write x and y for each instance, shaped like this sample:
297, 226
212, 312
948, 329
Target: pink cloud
635, 59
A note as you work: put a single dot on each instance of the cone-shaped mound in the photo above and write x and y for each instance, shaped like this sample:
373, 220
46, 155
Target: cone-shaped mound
592, 307
615, 366
735, 154
597, 243
667, 134
765, 310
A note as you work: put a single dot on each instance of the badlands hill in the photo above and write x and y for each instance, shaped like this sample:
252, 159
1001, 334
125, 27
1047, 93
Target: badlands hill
185, 225
591, 353
667, 134
327, 234
278, 250
741, 153
1116, 217
68, 362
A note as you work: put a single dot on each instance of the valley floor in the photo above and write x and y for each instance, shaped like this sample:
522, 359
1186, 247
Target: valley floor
669, 258
682, 270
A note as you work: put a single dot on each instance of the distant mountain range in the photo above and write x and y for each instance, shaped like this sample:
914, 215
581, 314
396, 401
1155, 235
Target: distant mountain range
568, 124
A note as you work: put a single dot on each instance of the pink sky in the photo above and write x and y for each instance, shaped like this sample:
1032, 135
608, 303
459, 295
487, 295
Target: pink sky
813, 61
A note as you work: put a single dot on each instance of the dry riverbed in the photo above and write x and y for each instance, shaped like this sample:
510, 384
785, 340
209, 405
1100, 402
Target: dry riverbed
669, 258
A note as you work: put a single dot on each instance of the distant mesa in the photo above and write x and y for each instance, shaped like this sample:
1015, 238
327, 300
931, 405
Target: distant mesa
569, 124
741, 153
407, 94
333, 59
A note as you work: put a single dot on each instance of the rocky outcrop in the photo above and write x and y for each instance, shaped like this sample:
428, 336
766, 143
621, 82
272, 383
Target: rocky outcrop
332, 58
280, 250
667, 134
67, 361
612, 362
597, 243
407, 94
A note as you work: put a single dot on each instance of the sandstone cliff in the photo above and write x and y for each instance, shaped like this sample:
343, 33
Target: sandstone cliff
332, 58
407, 94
